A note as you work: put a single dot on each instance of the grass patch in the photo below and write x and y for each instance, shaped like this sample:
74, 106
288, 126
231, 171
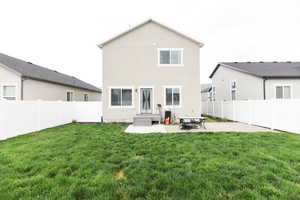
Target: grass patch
210, 118
99, 161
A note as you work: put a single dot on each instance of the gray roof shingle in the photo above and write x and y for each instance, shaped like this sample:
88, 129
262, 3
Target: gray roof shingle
29, 70
264, 69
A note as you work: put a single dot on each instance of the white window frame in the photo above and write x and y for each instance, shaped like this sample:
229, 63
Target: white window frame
73, 95
139, 92
165, 95
170, 65
121, 87
233, 89
283, 85
2, 97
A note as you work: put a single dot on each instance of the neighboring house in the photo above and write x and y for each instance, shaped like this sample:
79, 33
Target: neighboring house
21, 80
148, 65
256, 80
206, 92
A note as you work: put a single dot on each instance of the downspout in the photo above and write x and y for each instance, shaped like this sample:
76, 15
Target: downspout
22, 88
264, 87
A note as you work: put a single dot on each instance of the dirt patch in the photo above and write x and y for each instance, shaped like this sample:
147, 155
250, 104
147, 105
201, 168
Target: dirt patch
120, 174
210, 118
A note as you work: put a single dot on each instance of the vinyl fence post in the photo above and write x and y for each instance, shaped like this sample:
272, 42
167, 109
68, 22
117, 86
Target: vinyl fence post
2, 131
272, 113
222, 109
38, 102
250, 111
208, 106
233, 111
213, 108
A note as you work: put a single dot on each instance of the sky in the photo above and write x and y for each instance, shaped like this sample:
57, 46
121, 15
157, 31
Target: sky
63, 35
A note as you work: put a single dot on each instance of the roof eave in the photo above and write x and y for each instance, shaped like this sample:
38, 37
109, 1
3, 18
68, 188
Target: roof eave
68, 85
146, 22
10, 69
232, 68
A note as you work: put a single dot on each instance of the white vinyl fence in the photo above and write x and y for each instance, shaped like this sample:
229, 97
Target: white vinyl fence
275, 114
21, 117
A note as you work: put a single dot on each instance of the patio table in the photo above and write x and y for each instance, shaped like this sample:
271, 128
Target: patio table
191, 122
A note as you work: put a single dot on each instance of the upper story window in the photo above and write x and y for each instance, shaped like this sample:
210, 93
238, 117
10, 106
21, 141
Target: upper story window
9, 92
233, 90
121, 97
170, 57
283, 91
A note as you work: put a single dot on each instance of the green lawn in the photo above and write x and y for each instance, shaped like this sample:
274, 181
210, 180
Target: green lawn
95, 161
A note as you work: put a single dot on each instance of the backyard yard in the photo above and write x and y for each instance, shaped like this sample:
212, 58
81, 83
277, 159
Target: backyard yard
99, 161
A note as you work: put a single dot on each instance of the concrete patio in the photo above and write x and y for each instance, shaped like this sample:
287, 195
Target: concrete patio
210, 127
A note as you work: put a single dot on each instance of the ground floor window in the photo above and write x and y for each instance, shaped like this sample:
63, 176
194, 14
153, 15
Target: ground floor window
121, 97
283, 92
172, 96
233, 90
86, 97
9, 92
70, 96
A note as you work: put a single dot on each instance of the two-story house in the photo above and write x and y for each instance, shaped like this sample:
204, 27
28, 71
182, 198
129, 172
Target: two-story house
150, 64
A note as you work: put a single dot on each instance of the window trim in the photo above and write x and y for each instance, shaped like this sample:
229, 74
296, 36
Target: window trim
233, 89
139, 92
8, 84
169, 65
283, 85
180, 96
73, 95
121, 87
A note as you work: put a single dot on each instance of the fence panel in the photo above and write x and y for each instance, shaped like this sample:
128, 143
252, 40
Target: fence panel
287, 115
218, 108
21, 117
88, 112
228, 109
262, 113
242, 111
275, 114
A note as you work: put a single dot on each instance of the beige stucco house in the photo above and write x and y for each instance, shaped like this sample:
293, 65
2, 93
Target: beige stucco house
21, 80
148, 65
255, 81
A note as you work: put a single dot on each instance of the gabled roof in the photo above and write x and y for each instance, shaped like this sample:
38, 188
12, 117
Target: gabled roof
205, 87
264, 69
144, 23
29, 70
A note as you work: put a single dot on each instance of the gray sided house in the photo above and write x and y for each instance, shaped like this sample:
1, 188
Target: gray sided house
21, 80
148, 65
206, 92
256, 80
